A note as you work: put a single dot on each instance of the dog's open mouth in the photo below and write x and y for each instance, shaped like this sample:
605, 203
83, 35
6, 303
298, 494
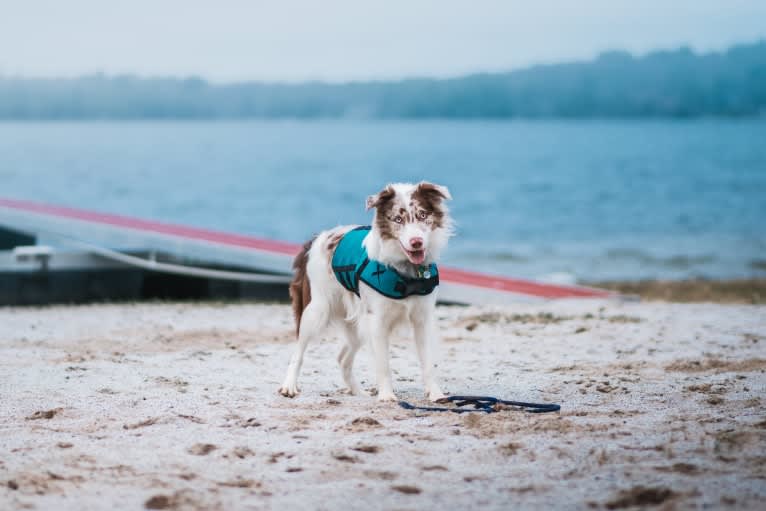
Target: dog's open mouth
415, 256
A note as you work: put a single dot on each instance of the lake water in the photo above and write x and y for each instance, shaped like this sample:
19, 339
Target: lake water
590, 199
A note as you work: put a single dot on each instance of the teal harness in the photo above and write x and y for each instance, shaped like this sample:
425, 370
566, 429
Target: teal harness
351, 265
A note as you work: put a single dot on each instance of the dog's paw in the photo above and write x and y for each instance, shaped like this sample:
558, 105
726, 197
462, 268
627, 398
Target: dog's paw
387, 397
435, 395
357, 391
289, 390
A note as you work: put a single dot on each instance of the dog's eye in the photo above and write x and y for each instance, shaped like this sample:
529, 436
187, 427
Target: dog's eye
398, 219
422, 215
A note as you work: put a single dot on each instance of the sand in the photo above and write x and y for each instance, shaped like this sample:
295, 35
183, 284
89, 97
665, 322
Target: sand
175, 406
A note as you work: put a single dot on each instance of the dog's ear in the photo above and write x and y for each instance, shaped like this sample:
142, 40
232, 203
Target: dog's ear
433, 192
383, 196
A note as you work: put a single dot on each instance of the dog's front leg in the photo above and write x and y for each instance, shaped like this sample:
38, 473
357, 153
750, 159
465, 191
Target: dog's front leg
424, 329
379, 331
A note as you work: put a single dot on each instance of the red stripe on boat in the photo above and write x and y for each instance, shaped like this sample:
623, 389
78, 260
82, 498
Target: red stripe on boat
525, 287
224, 238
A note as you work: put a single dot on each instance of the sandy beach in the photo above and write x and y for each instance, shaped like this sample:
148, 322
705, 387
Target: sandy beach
174, 406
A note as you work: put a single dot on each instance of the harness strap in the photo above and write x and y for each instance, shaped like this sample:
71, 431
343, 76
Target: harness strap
486, 404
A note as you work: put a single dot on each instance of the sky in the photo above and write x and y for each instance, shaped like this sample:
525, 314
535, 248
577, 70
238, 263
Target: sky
347, 40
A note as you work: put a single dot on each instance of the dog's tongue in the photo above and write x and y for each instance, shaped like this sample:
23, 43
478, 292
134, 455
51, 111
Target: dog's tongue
417, 256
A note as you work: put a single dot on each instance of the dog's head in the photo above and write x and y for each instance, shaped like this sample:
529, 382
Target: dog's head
412, 222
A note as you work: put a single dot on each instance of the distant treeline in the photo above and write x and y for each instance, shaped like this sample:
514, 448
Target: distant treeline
662, 84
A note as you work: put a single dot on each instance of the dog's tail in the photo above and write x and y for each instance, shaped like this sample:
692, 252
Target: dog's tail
300, 290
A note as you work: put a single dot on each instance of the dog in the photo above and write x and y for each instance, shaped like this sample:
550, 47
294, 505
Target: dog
369, 280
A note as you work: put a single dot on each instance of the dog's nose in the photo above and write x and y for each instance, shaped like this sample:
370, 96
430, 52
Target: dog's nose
416, 243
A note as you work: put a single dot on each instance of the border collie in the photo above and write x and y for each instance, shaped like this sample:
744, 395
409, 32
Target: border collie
369, 280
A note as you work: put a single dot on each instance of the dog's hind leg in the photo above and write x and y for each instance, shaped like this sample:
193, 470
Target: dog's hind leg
313, 321
346, 358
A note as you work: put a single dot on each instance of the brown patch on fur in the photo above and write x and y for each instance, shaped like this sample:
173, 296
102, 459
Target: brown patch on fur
300, 290
429, 197
385, 195
332, 243
383, 203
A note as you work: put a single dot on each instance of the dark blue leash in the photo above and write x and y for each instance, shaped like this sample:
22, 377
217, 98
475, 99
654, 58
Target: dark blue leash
487, 404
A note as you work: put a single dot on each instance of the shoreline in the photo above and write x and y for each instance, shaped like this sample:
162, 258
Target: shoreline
734, 291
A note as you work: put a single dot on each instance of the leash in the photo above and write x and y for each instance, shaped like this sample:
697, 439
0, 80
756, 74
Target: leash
487, 404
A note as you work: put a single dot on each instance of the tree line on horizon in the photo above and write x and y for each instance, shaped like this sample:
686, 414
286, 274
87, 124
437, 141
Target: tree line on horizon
616, 84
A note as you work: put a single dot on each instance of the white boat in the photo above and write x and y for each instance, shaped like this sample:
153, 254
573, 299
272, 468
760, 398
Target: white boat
112, 242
